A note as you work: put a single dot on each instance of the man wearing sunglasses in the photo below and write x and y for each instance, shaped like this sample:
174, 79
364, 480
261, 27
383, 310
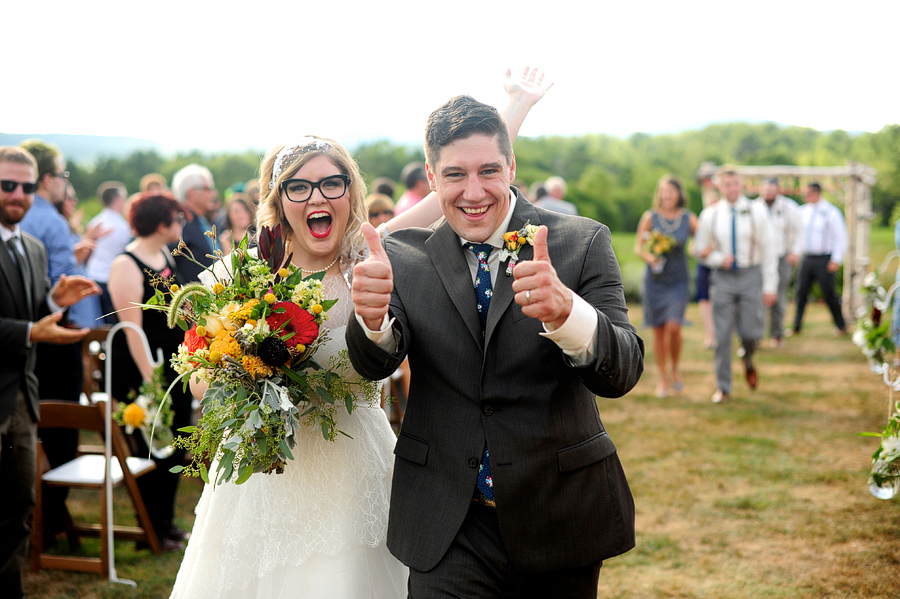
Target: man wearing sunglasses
59, 367
29, 315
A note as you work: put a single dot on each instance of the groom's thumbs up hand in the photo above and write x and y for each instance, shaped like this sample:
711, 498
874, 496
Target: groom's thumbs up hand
538, 288
373, 281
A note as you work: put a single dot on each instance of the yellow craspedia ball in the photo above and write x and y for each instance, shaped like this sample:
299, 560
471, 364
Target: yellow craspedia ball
174, 288
521, 240
214, 357
201, 331
133, 415
300, 348
317, 309
283, 273
270, 298
218, 288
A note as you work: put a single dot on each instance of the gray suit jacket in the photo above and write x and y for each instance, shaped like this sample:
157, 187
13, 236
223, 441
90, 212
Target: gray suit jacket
17, 358
562, 497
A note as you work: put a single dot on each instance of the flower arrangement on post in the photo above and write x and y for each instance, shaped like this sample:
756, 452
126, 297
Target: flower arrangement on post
150, 414
660, 245
873, 337
252, 337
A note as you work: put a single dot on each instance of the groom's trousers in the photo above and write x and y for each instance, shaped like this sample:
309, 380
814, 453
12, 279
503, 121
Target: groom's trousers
476, 566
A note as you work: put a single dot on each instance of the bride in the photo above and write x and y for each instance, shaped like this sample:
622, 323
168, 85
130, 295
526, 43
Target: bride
318, 529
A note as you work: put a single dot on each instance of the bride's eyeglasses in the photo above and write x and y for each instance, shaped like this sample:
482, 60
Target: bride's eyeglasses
300, 190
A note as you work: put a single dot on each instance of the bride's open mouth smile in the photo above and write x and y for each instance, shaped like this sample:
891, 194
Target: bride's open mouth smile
319, 224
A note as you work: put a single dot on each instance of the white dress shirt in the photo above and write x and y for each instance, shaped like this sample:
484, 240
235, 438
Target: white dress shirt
754, 240
786, 226
576, 337
108, 246
825, 230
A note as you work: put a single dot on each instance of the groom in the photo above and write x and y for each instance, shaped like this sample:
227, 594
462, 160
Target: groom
505, 481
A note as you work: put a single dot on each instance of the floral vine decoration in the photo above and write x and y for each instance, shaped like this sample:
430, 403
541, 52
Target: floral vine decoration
149, 413
872, 334
513, 242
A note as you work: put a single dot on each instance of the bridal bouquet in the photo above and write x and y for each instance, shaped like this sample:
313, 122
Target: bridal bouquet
659, 244
149, 413
252, 336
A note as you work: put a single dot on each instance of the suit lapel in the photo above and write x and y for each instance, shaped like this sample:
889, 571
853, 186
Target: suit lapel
503, 291
448, 259
11, 278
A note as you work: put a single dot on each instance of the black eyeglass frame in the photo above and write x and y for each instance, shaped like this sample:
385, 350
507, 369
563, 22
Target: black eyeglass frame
10, 186
314, 185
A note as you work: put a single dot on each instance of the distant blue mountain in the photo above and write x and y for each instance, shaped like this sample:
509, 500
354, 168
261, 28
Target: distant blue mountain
85, 149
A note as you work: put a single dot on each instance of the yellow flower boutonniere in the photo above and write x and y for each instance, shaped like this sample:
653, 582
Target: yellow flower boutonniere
513, 242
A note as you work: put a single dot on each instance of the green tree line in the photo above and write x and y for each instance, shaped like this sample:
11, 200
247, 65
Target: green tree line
610, 179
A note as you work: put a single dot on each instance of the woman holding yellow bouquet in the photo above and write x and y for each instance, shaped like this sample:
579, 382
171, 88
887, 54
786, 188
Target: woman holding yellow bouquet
662, 234
318, 528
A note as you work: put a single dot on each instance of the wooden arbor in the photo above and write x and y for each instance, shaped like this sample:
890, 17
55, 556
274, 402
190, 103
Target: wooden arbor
850, 186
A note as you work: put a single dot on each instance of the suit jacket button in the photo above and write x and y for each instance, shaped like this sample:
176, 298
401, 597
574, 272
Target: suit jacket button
487, 410
473, 463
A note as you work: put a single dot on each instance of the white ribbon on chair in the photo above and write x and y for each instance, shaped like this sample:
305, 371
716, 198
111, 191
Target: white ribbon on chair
108, 441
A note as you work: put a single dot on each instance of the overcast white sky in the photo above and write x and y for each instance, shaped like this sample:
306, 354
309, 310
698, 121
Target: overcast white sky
223, 74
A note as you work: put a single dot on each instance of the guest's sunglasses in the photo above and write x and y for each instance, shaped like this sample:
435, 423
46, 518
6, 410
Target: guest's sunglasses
10, 186
384, 212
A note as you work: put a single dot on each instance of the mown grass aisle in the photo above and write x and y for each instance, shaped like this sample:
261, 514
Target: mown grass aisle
765, 496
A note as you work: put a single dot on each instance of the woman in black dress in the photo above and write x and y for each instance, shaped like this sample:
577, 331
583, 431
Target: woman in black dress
156, 221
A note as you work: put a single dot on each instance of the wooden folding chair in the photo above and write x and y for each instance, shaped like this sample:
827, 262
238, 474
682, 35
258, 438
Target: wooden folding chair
89, 472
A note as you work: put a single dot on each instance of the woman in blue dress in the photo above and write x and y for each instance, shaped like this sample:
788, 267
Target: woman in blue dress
666, 288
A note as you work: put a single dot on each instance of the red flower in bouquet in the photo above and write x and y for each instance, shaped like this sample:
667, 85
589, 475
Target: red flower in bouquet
293, 319
193, 341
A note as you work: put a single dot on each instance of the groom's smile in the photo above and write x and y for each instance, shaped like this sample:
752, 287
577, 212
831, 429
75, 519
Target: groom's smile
471, 179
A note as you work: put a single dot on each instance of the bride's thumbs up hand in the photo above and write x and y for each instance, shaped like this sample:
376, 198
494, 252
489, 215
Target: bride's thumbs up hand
373, 281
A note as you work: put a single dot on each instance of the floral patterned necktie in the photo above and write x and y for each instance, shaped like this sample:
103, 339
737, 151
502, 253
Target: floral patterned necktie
483, 293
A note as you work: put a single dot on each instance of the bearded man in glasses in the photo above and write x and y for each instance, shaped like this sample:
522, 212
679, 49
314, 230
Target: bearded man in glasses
29, 316
59, 367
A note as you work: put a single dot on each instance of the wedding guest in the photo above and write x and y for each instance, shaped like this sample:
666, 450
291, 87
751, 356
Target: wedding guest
238, 222
709, 196
666, 289
153, 183
118, 233
555, 199
29, 317
195, 190
734, 236
380, 207
384, 185
59, 367
251, 189
85, 313
824, 244
157, 221
413, 177
787, 240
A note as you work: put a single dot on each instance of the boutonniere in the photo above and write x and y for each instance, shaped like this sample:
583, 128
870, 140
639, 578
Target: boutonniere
513, 242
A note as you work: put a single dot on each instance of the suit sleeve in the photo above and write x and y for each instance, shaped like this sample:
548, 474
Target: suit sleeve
370, 360
619, 362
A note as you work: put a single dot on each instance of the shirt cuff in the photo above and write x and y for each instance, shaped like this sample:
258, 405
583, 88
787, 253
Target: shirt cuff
384, 337
54, 307
577, 335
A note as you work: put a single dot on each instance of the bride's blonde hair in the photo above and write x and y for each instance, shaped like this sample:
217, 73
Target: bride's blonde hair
283, 161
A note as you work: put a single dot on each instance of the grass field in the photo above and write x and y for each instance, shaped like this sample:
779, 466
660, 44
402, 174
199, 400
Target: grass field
764, 496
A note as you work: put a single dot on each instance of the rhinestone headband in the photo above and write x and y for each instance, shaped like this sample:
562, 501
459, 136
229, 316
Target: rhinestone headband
289, 152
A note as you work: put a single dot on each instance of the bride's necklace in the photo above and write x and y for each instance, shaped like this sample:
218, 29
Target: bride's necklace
670, 226
315, 272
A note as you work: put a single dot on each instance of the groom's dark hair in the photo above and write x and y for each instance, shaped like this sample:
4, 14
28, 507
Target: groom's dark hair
459, 118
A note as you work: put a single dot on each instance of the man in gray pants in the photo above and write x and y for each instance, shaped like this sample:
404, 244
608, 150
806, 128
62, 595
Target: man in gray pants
787, 240
734, 236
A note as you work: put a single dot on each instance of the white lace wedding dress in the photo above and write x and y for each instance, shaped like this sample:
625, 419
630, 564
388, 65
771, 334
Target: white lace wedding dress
315, 531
